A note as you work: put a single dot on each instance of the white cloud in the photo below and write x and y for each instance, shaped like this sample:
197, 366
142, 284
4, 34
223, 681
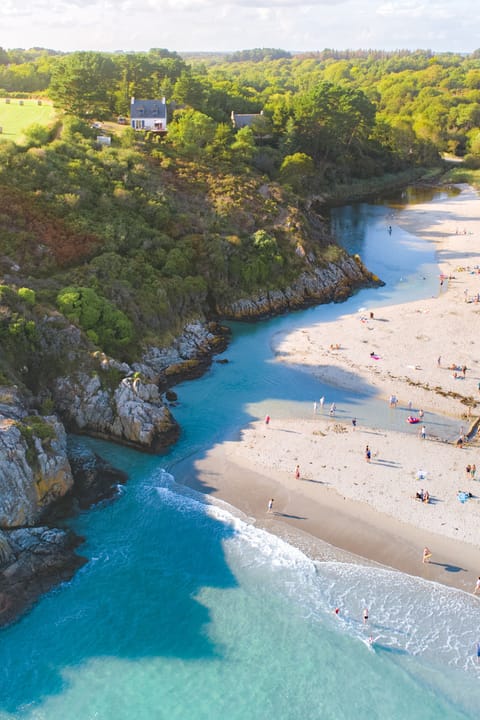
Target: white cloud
410, 10
237, 24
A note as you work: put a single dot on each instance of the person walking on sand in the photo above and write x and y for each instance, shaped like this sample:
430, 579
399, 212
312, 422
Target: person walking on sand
423, 432
333, 407
297, 472
267, 419
426, 555
473, 470
315, 407
476, 589
368, 454
270, 505
365, 616
439, 361
322, 402
354, 423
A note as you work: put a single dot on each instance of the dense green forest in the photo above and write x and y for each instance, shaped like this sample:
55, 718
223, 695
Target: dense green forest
130, 240
406, 101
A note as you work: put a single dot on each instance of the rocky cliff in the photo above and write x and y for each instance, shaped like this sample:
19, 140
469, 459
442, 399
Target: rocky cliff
39, 472
34, 468
333, 283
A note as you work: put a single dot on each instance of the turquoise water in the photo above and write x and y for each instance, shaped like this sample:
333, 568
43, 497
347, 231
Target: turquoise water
185, 610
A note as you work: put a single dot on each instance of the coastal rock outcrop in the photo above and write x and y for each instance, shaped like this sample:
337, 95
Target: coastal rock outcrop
32, 561
333, 283
131, 413
43, 476
186, 357
123, 403
34, 468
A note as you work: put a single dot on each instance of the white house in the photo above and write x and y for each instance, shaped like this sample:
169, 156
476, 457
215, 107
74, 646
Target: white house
148, 115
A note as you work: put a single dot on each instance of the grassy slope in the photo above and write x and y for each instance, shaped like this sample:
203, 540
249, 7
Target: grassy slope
16, 118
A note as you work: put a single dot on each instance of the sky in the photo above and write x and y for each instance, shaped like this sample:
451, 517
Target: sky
209, 25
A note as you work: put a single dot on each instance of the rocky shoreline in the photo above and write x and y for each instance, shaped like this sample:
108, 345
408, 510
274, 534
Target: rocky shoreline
36, 558
45, 476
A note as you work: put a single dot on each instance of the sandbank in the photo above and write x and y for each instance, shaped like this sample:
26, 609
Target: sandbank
369, 508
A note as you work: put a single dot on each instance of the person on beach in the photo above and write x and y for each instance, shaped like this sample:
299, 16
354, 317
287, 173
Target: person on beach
439, 361
421, 414
267, 419
368, 454
426, 555
354, 423
322, 402
297, 472
423, 432
476, 589
473, 470
270, 505
333, 407
365, 616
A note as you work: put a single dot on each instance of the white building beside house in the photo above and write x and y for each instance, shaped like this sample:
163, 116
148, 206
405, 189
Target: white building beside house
148, 115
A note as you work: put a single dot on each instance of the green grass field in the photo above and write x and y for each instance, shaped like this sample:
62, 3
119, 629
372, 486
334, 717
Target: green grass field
15, 118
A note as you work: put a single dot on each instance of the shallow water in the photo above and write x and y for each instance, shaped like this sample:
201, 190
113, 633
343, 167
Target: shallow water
184, 610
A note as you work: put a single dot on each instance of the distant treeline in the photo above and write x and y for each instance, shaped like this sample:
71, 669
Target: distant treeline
421, 102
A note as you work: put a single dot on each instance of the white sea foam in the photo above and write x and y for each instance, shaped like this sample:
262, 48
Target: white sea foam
406, 614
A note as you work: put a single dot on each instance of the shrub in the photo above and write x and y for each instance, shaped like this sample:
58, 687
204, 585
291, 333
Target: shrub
48, 407
296, 169
27, 295
104, 324
7, 295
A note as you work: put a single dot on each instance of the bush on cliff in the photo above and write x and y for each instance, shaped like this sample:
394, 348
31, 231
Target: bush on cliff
104, 324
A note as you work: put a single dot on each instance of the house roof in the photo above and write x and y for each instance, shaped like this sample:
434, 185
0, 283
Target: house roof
148, 108
245, 120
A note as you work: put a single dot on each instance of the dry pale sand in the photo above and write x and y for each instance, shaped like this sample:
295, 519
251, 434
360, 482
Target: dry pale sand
369, 508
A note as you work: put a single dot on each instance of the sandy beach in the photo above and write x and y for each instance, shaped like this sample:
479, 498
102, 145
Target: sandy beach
425, 353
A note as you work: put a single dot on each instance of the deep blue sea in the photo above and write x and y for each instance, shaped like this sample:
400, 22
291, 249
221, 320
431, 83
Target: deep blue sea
185, 610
